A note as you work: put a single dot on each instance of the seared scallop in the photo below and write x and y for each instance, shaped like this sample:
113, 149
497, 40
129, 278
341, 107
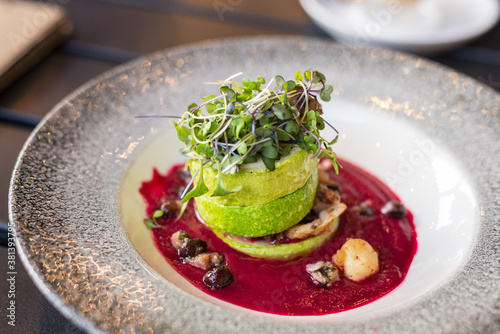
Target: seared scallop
357, 258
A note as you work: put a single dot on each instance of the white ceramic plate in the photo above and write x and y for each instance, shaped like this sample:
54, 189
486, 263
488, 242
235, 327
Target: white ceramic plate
429, 27
426, 131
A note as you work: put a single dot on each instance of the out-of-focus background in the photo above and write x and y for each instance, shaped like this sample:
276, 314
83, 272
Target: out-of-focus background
47, 52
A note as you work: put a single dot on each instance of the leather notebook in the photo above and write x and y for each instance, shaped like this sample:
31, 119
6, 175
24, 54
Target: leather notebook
28, 32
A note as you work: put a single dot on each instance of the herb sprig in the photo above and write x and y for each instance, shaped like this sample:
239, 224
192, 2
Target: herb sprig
151, 223
248, 121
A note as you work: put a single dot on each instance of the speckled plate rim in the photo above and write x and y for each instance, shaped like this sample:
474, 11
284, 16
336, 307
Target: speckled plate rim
417, 316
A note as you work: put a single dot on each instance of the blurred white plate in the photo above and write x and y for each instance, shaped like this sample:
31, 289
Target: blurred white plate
447, 25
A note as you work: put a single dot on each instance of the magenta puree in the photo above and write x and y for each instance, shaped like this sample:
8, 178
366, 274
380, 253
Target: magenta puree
283, 287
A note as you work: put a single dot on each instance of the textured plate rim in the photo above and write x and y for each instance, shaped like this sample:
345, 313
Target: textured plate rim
56, 300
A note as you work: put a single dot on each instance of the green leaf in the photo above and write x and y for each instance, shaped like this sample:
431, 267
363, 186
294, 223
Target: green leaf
289, 86
210, 107
326, 93
236, 122
336, 167
307, 74
230, 134
199, 189
267, 143
269, 152
251, 159
157, 214
228, 91
281, 112
298, 76
334, 140
220, 190
309, 139
300, 141
311, 119
213, 126
200, 149
150, 224
283, 136
182, 133
209, 152
321, 123
200, 134
206, 127
267, 105
191, 106
311, 115
318, 76
263, 133
335, 163
242, 148
239, 126
269, 163
230, 108
279, 82
242, 97
264, 121
261, 80
253, 85
245, 82
302, 145
292, 127
294, 110
313, 147
286, 150
208, 97
246, 118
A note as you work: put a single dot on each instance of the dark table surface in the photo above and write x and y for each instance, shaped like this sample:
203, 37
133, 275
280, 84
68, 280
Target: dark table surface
109, 32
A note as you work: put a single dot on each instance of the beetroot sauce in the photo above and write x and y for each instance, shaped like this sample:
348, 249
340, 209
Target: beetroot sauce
283, 287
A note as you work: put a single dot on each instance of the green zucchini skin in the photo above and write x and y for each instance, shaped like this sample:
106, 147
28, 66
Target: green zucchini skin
281, 252
259, 220
259, 185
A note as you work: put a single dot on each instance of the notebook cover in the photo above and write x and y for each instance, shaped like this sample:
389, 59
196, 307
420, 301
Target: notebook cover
28, 32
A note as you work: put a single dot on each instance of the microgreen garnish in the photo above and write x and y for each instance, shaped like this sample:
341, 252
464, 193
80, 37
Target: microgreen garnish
151, 223
248, 121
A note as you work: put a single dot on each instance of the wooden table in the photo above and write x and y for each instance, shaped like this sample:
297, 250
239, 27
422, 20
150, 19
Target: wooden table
109, 32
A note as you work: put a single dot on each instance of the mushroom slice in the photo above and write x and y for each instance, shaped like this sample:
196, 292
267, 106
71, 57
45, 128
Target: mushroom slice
323, 273
206, 261
179, 238
326, 222
325, 197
